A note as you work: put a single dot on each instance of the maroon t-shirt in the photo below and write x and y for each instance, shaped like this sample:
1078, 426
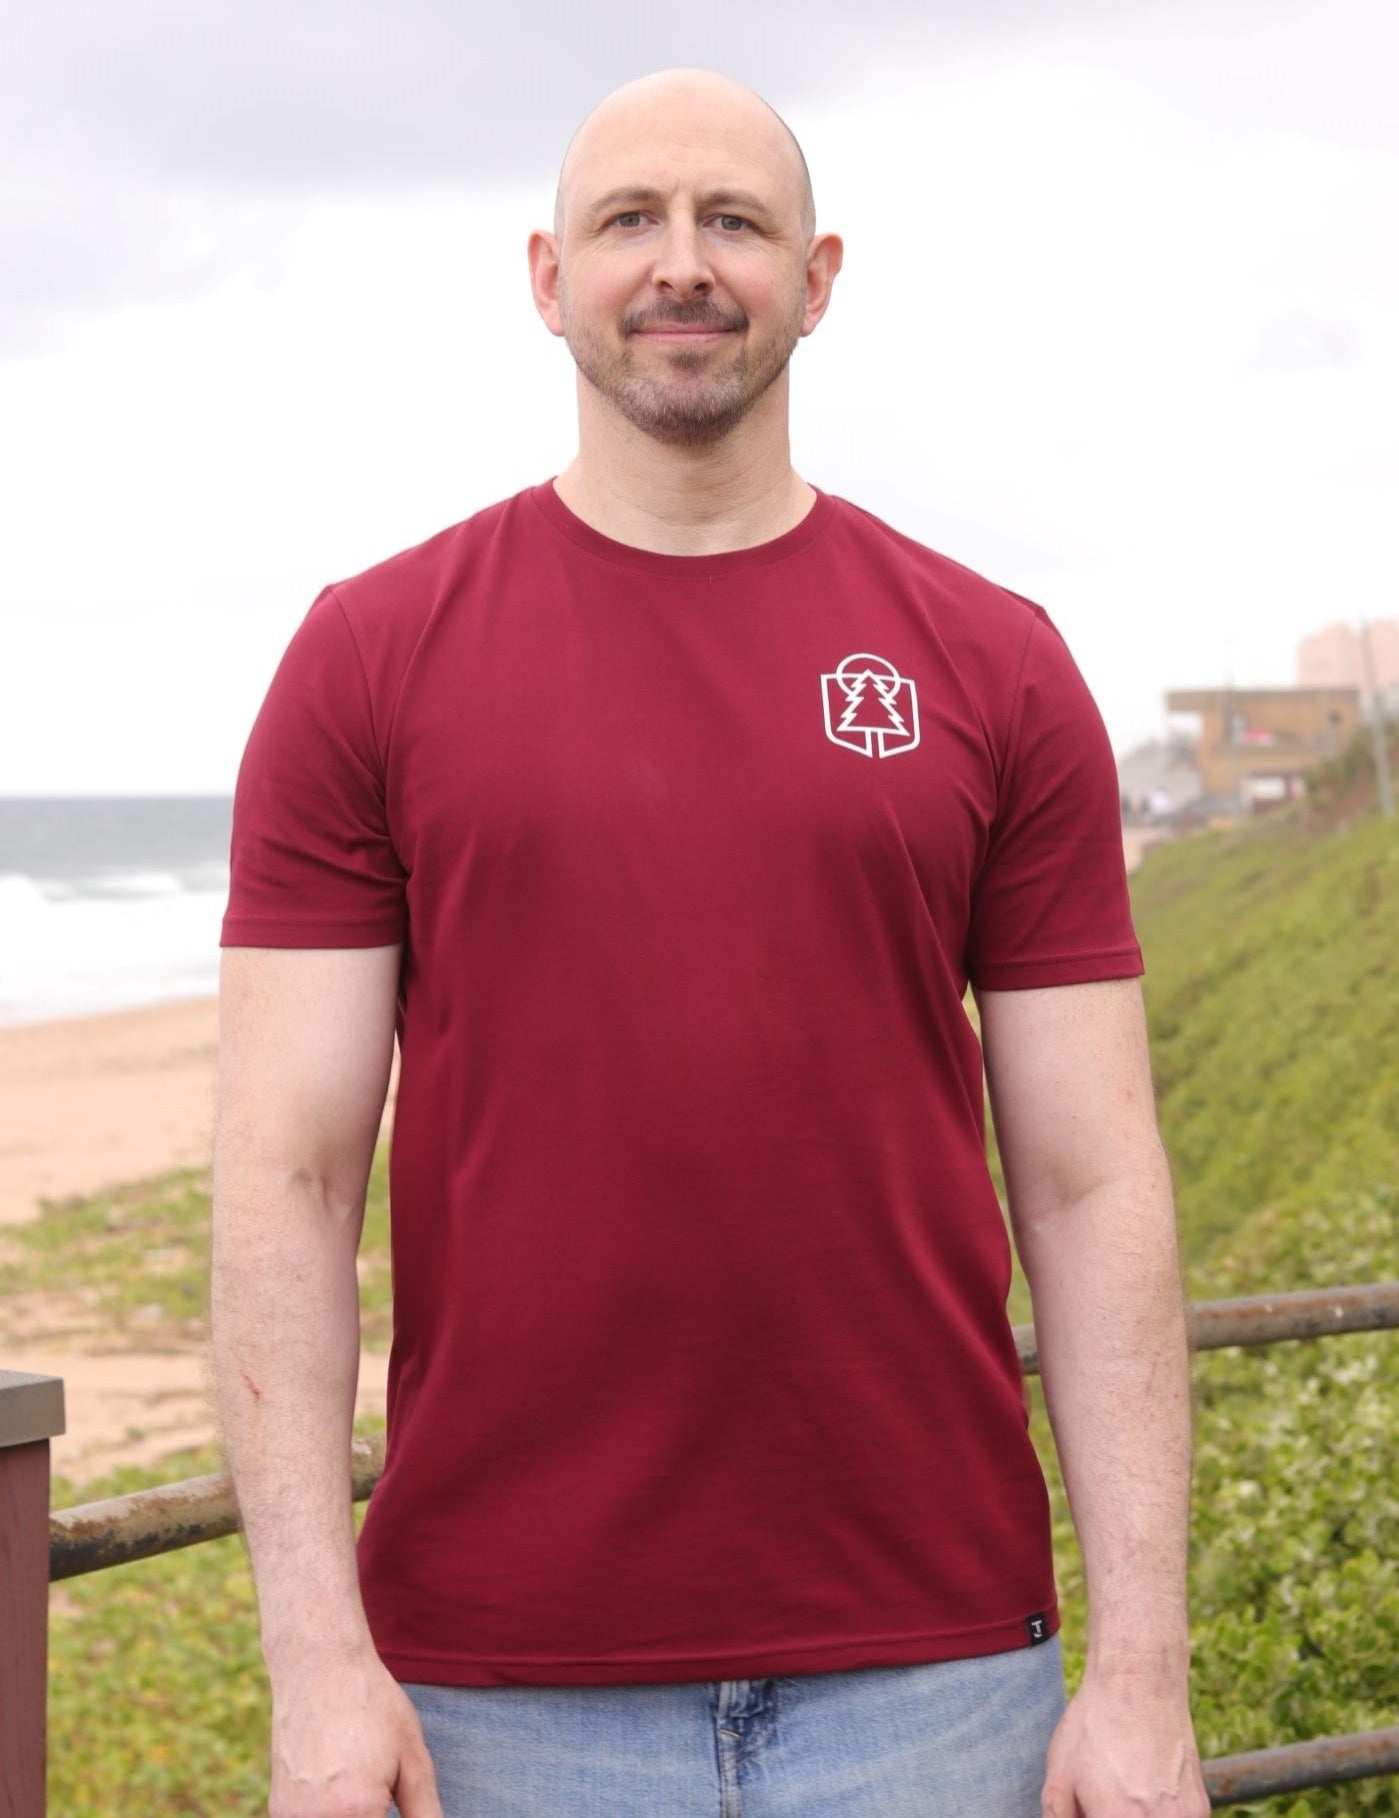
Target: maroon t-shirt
701, 1365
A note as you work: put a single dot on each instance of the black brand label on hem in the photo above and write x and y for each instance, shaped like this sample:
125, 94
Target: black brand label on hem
1037, 1628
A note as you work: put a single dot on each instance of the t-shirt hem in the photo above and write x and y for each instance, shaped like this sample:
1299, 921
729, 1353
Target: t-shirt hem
250, 931
1073, 969
763, 1663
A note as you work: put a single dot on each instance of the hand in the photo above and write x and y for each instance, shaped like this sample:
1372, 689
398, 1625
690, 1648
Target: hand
1125, 1749
346, 1743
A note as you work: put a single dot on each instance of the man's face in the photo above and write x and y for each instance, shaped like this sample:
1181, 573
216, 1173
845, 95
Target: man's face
682, 259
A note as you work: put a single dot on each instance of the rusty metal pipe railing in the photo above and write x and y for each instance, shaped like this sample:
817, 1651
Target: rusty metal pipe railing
1231, 1779
1269, 1319
126, 1528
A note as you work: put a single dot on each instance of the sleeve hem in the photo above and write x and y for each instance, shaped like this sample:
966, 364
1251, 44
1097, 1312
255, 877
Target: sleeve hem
1073, 969
254, 932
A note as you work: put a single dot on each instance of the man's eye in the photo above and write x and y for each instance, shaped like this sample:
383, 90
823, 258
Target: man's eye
632, 218
732, 224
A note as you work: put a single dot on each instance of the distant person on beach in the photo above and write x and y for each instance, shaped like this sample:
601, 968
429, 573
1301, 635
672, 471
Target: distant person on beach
666, 811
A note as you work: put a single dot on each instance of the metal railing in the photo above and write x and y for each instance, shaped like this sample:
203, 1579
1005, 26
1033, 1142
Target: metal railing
39, 1546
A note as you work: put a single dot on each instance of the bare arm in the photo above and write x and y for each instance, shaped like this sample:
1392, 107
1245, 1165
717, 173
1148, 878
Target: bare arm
1091, 1207
306, 1040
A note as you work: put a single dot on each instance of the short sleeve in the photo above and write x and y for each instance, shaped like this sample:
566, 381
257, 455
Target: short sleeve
1050, 906
313, 863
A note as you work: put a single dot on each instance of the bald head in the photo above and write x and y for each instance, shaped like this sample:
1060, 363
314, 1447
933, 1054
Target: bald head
691, 112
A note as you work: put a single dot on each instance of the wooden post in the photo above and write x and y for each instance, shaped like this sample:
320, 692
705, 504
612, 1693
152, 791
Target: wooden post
31, 1413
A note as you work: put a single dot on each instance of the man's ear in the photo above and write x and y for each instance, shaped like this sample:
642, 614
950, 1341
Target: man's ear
544, 278
824, 258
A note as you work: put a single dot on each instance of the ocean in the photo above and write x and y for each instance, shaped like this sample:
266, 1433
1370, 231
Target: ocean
107, 902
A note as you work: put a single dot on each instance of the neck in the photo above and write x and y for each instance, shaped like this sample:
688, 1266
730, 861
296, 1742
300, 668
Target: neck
731, 494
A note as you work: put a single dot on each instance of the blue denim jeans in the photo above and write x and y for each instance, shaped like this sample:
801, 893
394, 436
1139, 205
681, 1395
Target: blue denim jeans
956, 1739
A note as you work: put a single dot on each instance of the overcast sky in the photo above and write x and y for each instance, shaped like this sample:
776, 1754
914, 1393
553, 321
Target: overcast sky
1119, 322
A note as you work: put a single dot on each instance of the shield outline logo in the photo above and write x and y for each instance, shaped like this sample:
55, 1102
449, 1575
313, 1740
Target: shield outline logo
898, 693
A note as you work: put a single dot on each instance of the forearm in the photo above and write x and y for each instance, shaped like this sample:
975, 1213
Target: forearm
1090, 1199
1110, 1325
286, 1360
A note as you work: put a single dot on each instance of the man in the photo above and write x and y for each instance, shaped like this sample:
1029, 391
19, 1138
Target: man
668, 811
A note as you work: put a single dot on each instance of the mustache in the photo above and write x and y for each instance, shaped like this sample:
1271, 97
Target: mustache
701, 314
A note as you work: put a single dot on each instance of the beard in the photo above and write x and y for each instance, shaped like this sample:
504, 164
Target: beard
694, 401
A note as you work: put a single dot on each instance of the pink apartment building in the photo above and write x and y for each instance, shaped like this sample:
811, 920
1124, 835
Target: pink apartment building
1335, 658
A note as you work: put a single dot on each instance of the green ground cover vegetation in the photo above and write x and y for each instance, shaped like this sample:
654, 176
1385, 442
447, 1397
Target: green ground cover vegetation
130, 1267
1275, 1013
1273, 995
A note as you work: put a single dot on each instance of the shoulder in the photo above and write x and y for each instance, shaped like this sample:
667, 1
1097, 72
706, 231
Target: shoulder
388, 611
408, 584
962, 594
362, 635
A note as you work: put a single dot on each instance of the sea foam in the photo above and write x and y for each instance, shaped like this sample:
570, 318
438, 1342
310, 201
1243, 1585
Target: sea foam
72, 947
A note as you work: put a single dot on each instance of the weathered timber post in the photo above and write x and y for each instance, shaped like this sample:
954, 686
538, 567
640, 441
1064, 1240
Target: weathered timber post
31, 1413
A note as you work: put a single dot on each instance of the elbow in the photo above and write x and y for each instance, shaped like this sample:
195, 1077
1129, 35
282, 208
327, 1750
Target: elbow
266, 1183
1133, 1184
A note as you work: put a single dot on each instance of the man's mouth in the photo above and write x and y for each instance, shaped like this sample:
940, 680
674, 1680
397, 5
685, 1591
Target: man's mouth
685, 328
663, 332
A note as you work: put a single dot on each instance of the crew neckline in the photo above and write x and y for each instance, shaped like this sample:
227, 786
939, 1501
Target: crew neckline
727, 561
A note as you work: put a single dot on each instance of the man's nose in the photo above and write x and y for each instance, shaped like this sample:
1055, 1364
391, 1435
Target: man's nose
682, 263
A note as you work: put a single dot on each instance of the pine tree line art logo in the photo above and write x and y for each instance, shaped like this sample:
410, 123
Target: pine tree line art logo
870, 707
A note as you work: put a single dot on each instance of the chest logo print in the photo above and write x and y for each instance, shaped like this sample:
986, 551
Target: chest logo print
870, 707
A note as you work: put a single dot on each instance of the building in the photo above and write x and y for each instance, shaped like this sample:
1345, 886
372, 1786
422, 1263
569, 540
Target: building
1257, 744
1336, 658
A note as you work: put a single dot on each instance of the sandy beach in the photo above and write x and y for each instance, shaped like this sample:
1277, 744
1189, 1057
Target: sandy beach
102, 1099
85, 1104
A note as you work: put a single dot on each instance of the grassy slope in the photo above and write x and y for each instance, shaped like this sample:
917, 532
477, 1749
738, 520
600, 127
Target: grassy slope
1273, 992
1275, 1005
128, 1268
